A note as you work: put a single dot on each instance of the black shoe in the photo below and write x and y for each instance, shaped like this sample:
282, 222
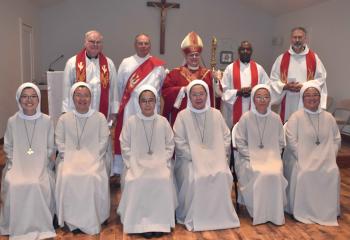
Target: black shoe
105, 223
115, 180
55, 222
65, 228
76, 231
158, 234
147, 235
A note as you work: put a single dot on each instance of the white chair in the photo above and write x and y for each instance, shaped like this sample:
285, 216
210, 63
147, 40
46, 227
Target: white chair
330, 101
341, 113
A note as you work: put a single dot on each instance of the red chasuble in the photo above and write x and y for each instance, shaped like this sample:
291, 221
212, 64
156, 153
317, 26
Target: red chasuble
134, 80
80, 66
181, 77
311, 69
236, 73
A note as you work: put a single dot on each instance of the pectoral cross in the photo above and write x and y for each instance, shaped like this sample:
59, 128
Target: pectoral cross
164, 6
30, 151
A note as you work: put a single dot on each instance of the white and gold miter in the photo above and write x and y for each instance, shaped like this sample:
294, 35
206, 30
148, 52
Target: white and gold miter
192, 43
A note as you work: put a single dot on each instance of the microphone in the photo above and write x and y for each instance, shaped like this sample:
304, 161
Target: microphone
53, 62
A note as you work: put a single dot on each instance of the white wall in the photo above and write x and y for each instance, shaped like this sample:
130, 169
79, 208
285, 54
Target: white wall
10, 78
60, 28
329, 30
64, 25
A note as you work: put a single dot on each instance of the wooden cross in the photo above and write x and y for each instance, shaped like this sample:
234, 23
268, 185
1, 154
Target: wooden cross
164, 6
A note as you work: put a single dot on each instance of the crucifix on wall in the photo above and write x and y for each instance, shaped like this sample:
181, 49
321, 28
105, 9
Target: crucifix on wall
163, 5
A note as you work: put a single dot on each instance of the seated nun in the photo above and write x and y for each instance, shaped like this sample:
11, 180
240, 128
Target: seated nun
203, 177
27, 186
82, 187
313, 141
259, 139
148, 201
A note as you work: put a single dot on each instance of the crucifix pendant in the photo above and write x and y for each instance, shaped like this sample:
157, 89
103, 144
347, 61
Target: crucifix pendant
261, 145
317, 142
150, 152
30, 151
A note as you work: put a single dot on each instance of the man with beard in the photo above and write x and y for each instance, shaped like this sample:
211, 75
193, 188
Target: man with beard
238, 80
292, 69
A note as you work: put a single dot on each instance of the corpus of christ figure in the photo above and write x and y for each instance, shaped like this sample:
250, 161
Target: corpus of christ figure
163, 6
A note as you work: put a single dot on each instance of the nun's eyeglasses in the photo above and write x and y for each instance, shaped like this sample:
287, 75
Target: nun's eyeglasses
77, 95
311, 95
203, 94
260, 98
29, 97
147, 101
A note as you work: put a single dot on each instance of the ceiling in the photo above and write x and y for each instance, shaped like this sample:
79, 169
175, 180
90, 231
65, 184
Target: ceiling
279, 7
46, 3
272, 7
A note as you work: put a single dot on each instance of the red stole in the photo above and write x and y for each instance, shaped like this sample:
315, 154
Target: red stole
134, 80
237, 106
311, 69
80, 66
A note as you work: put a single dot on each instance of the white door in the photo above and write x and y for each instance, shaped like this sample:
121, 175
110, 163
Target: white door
26, 51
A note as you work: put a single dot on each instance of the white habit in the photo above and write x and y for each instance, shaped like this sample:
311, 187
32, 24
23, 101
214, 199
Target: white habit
82, 186
148, 199
154, 78
297, 71
262, 186
311, 169
204, 180
27, 181
229, 94
27, 197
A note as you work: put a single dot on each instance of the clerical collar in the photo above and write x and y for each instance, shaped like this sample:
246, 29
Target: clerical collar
245, 63
305, 50
91, 57
193, 68
300, 51
145, 57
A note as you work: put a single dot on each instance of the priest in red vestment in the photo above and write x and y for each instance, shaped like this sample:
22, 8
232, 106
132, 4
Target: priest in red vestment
90, 65
292, 69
